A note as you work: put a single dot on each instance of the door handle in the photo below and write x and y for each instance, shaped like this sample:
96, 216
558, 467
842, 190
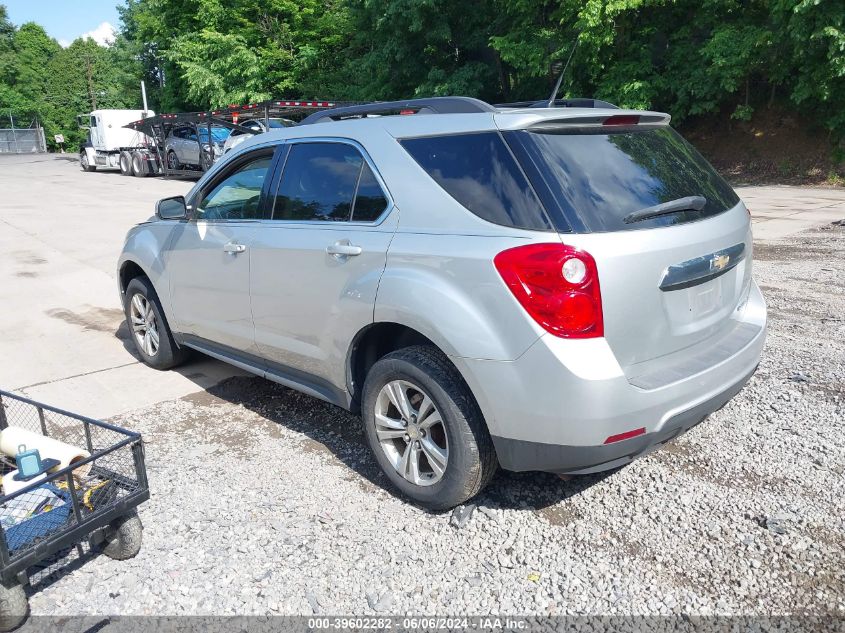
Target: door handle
343, 249
233, 248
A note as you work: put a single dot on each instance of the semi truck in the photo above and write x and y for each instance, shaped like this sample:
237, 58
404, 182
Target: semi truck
110, 145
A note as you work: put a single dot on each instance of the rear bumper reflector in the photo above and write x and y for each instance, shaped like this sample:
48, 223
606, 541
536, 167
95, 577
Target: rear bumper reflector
627, 435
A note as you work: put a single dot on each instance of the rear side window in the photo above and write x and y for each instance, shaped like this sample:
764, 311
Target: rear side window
597, 178
327, 182
479, 172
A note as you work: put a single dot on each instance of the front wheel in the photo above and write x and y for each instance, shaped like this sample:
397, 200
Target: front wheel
173, 163
83, 162
123, 537
425, 428
148, 327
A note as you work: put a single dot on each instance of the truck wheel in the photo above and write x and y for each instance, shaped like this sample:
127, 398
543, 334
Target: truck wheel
148, 327
83, 162
14, 607
173, 161
123, 537
139, 165
125, 164
425, 428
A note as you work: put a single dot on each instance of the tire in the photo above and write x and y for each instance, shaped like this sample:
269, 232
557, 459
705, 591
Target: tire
470, 457
125, 164
139, 165
173, 161
123, 537
83, 162
14, 606
206, 161
166, 354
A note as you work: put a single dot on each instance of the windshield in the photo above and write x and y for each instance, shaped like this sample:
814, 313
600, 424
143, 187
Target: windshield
597, 177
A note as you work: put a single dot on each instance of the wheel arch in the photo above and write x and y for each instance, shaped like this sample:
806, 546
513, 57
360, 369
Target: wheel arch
376, 341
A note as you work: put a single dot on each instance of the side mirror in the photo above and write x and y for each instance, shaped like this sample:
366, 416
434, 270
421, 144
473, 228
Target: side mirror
172, 208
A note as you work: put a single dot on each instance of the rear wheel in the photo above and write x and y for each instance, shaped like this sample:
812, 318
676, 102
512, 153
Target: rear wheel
173, 161
148, 327
125, 163
206, 161
14, 607
139, 165
425, 428
84, 164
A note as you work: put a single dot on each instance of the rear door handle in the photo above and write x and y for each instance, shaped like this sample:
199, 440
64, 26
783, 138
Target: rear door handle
233, 248
341, 248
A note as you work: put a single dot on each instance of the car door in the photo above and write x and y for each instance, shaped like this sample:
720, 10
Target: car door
208, 258
317, 259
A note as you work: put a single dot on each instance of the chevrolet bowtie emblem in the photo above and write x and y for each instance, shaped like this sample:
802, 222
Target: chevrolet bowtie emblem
719, 262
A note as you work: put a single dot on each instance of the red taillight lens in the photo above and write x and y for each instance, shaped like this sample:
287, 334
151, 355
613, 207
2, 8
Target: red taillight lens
565, 302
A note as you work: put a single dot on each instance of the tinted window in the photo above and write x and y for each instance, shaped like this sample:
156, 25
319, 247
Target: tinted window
478, 171
236, 197
598, 178
318, 182
370, 201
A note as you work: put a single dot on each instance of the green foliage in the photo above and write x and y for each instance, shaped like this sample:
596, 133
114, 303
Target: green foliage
687, 57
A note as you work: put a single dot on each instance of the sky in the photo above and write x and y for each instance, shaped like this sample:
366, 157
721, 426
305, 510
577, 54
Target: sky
65, 20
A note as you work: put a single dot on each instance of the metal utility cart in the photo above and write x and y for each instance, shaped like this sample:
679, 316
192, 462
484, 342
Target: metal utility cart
93, 499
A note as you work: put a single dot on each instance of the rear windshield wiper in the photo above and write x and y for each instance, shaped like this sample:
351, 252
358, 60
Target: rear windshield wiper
690, 203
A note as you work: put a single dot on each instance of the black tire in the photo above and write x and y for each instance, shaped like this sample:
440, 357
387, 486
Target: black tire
125, 164
167, 354
123, 537
139, 165
83, 162
173, 161
471, 459
206, 161
14, 606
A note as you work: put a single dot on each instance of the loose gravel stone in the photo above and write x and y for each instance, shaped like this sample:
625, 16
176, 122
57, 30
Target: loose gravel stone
267, 501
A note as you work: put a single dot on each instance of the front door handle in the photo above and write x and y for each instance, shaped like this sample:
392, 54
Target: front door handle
233, 248
343, 249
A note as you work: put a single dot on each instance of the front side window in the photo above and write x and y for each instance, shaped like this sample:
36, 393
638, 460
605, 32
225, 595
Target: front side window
237, 196
480, 173
320, 181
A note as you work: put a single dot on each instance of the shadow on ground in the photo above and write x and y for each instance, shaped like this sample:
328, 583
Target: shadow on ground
339, 433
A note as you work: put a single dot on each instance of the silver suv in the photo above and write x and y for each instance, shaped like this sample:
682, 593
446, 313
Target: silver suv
559, 289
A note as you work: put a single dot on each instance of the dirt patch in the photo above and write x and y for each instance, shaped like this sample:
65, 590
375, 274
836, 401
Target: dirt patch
559, 514
96, 319
788, 252
26, 273
775, 147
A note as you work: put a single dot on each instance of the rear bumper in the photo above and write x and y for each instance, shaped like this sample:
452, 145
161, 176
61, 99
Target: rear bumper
554, 407
521, 455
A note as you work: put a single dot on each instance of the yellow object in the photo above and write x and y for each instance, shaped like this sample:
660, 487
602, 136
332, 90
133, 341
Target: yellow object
86, 498
534, 577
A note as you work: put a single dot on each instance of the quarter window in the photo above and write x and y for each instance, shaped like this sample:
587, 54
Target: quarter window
237, 196
480, 173
320, 181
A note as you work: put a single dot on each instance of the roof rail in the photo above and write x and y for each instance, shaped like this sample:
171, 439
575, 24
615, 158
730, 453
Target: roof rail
576, 102
432, 105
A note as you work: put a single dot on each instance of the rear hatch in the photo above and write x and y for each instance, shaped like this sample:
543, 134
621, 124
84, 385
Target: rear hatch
670, 238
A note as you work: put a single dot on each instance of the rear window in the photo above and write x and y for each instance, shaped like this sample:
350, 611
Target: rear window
597, 178
479, 172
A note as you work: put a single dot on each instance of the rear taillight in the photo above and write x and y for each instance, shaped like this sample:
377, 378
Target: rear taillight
558, 286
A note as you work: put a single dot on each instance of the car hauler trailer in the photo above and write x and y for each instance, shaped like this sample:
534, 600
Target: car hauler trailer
158, 128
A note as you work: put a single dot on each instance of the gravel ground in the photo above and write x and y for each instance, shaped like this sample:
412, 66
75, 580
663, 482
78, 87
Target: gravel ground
266, 501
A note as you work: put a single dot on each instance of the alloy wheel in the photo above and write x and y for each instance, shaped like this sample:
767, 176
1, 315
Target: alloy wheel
144, 324
411, 432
